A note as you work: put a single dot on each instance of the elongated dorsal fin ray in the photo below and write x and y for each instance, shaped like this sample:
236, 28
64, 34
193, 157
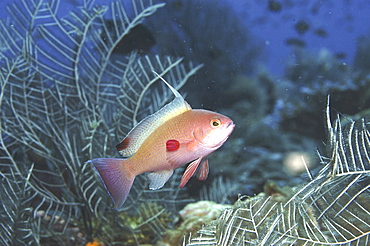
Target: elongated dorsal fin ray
174, 91
134, 139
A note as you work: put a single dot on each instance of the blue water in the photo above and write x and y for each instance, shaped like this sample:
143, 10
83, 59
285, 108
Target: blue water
343, 22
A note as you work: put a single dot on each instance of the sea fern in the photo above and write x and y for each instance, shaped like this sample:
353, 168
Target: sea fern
65, 98
331, 209
16, 217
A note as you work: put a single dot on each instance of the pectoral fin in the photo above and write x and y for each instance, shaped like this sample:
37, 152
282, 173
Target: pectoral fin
190, 170
158, 179
202, 172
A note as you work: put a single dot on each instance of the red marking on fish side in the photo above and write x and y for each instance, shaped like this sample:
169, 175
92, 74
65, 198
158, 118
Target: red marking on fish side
123, 145
172, 145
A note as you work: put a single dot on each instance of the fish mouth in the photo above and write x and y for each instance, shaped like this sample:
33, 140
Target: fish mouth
230, 127
231, 124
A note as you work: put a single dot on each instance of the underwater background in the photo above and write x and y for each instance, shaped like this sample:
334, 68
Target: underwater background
294, 76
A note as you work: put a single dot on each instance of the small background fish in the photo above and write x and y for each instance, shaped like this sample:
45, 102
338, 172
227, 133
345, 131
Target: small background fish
173, 136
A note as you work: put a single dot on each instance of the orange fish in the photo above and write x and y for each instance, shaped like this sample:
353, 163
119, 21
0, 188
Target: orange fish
173, 136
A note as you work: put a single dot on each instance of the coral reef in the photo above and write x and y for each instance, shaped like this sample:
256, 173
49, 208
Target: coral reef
71, 87
333, 208
146, 225
191, 218
280, 116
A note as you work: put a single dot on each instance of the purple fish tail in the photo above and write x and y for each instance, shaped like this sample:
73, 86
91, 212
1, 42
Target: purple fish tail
116, 177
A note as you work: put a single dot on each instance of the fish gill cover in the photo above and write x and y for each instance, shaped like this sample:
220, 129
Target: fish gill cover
65, 98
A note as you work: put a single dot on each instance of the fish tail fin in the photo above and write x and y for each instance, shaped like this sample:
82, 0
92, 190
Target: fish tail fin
116, 176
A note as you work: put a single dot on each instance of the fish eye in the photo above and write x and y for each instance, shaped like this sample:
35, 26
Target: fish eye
215, 122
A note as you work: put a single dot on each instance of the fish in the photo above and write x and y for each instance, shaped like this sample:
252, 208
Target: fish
173, 136
295, 42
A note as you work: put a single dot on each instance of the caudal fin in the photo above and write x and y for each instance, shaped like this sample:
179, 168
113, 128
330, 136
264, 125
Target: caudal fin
116, 176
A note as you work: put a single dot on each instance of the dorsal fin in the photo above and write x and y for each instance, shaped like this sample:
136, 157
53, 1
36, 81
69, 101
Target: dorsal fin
174, 91
136, 137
